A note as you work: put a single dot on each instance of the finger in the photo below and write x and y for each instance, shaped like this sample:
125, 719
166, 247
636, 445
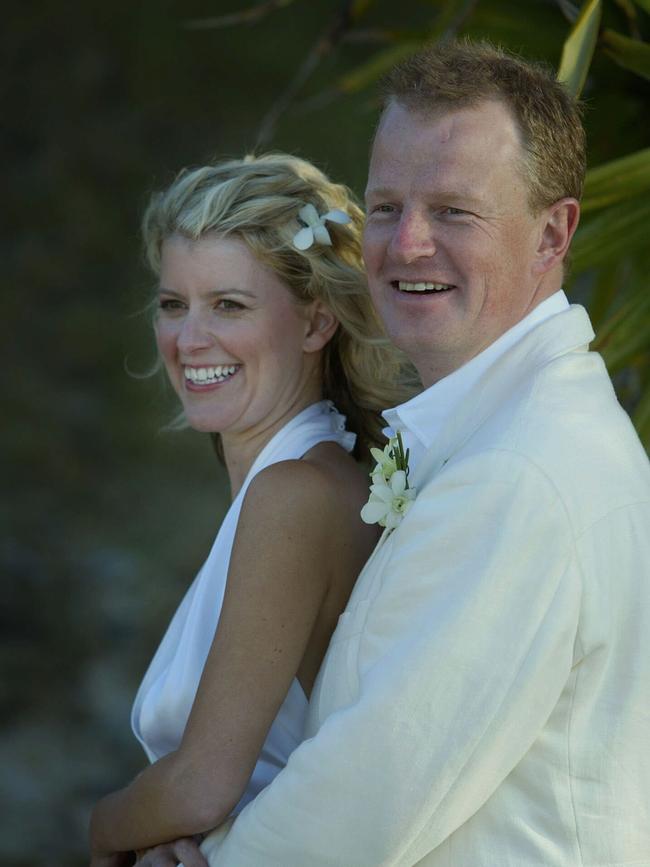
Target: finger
160, 856
189, 853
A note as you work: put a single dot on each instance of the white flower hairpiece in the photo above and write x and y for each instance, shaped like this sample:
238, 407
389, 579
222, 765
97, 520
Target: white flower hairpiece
390, 494
315, 226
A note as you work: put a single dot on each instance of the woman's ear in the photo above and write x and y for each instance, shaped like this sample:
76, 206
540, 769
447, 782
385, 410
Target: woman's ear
561, 221
322, 324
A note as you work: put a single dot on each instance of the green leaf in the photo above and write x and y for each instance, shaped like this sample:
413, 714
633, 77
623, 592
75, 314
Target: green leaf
359, 8
616, 180
628, 8
452, 12
644, 4
613, 233
625, 337
632, 54
603, 294
374, 68
641, 418
579, 47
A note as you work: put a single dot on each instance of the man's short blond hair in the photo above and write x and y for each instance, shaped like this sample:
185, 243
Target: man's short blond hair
455, 75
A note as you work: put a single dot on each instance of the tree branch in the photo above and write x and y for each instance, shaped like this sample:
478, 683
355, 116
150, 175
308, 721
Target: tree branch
447, 26
247, 16
323, 46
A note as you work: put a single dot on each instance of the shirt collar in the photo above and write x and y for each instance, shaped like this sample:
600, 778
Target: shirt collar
421, 418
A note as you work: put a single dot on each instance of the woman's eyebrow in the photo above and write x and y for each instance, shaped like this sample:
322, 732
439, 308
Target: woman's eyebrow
210, 293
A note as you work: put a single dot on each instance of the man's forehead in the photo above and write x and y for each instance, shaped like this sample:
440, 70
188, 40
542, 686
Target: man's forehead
468, 157
442, 121
407, 135
423, 113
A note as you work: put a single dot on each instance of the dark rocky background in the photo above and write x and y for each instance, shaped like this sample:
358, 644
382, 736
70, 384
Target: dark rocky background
105, 519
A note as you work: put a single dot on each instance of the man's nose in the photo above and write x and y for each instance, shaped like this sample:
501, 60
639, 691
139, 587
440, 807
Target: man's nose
413, 238
194, 333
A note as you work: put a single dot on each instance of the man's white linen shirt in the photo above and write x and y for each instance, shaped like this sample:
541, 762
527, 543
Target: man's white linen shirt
485, 698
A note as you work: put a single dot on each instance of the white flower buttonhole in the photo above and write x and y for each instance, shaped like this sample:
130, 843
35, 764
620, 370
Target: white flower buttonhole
390, 494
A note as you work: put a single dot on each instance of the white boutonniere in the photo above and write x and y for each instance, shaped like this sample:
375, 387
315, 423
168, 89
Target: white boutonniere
390, 494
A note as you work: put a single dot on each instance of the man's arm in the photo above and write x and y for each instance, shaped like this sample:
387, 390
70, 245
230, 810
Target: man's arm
465, 651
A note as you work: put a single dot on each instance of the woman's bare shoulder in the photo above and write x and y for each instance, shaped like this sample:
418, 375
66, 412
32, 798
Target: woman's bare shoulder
326, 476
325, 489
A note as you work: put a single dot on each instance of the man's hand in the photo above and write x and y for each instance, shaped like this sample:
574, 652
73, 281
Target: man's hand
185, 850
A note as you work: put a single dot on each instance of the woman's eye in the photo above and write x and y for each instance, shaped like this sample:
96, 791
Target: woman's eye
170, 304
229, 305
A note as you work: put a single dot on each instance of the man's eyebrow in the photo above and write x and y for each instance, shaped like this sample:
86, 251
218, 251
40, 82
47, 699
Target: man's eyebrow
457, 195
383, 192
466, 197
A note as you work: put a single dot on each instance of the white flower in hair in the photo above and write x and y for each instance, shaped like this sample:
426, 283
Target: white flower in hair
315, 226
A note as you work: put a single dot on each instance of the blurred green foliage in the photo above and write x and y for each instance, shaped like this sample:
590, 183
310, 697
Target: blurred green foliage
106, 519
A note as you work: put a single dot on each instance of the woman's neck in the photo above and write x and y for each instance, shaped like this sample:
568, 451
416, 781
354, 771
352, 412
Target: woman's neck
241, 450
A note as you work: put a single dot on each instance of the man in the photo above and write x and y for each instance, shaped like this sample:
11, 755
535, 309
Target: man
485, 701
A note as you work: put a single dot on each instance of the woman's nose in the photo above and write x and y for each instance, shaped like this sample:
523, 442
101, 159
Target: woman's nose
413, 238
194, 334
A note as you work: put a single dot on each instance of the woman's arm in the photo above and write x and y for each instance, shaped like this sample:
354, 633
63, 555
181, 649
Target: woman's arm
278, 578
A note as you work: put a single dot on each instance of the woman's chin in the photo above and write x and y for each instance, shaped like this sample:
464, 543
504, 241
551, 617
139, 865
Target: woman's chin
205, 424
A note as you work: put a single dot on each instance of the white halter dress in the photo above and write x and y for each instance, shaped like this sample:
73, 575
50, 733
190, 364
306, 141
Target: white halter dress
164, 700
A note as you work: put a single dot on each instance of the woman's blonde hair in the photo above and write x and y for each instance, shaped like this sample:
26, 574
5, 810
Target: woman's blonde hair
258, 199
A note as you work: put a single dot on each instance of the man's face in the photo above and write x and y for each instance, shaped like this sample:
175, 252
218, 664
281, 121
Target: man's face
450, 243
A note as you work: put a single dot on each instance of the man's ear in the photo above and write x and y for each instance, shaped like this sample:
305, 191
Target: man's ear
322, 324
561, 221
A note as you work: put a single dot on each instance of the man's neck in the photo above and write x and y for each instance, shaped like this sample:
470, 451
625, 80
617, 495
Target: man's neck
434, 367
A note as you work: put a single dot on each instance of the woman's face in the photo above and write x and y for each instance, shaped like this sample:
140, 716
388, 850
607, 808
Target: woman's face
238, 350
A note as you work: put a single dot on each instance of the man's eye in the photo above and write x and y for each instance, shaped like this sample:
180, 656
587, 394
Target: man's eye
384, 208
453, 211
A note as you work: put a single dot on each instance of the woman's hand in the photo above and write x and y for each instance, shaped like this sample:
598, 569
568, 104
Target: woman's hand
185, 850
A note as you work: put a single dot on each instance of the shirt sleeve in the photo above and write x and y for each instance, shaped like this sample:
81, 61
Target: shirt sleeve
467, 643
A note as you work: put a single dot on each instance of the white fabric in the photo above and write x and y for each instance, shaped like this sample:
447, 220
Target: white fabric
485, 699
164, 700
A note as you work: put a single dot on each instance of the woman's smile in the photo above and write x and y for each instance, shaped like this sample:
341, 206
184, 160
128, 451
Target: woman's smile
201, 378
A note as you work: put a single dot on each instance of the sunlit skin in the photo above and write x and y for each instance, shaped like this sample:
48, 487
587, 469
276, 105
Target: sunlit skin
447, 203
220, 306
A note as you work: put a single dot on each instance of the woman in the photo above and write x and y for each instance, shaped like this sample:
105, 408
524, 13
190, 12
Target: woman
267, 334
